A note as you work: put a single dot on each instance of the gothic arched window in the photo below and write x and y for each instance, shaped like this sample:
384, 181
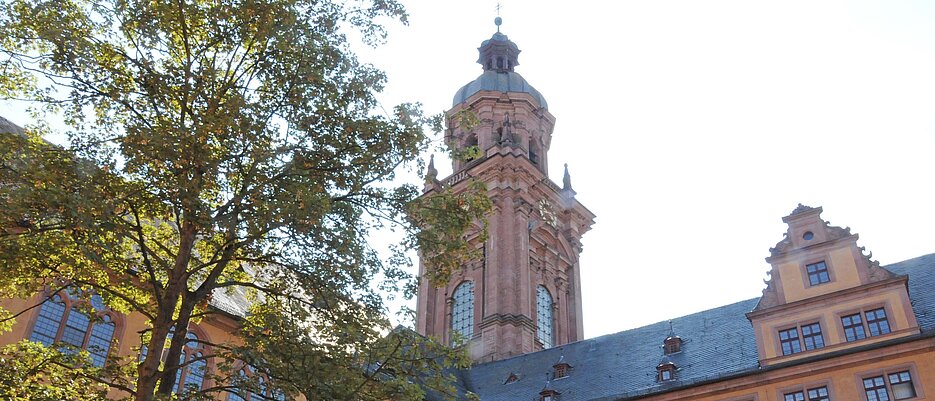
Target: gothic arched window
544, 317
61, 321
462, 311
192, 364
261, 391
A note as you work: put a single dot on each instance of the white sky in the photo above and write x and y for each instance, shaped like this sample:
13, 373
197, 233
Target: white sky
691, 128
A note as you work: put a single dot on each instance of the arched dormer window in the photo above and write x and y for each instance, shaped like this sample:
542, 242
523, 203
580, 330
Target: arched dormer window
61, 320
544, 317
250, 386
462, 312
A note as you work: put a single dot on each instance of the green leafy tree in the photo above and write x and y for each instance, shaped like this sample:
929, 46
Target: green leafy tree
214, 146
31, 372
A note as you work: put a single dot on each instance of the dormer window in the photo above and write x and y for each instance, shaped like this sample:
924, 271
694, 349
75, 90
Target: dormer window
560, 369
548, 395
665, 371
511, 379
672, 345
817, 273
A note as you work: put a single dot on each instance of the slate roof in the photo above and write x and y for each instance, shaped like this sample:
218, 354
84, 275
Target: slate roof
717, 343
7, 127
504, 81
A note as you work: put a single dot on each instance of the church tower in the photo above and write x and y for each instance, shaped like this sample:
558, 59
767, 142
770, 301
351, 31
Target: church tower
524, 293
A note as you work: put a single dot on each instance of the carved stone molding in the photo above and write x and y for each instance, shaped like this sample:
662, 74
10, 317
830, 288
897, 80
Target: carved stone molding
770, 297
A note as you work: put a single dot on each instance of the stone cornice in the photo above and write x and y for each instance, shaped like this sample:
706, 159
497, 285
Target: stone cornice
845, 293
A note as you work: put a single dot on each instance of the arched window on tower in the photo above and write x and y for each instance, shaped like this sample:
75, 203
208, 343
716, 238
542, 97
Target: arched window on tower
62, 321
544, 317
470, 147
462, 313
533, 151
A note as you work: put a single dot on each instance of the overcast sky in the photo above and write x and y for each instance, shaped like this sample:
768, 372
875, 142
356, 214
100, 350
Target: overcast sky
692, 127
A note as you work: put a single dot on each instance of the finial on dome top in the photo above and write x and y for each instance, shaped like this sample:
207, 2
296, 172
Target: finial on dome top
497, 21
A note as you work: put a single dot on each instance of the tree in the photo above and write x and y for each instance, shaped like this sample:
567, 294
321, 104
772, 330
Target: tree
216, 145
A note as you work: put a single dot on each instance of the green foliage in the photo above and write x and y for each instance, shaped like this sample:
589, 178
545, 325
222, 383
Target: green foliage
451, 216
220, 146
467, 120
31, 372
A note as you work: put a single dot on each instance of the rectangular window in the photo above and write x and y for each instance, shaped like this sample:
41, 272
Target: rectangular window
818, 394
796, 396
789, 340
811, 336
876, 322
853, 327
817, 273
901, 383
891, 386
875, 388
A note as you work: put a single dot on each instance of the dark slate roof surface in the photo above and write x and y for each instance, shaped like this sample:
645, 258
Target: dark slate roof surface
921, 271
506, 81
717, 343
7, 127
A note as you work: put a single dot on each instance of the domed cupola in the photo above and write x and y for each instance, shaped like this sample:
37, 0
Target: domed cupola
498, 53
498, 56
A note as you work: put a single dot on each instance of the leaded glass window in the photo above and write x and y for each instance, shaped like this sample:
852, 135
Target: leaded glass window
462, 312
59, 322
544, 317
192, 364
260, 390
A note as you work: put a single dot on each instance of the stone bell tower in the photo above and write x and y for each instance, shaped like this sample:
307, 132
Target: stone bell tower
524, 293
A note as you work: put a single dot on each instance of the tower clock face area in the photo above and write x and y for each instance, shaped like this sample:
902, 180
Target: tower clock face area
547, 212
523, 293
